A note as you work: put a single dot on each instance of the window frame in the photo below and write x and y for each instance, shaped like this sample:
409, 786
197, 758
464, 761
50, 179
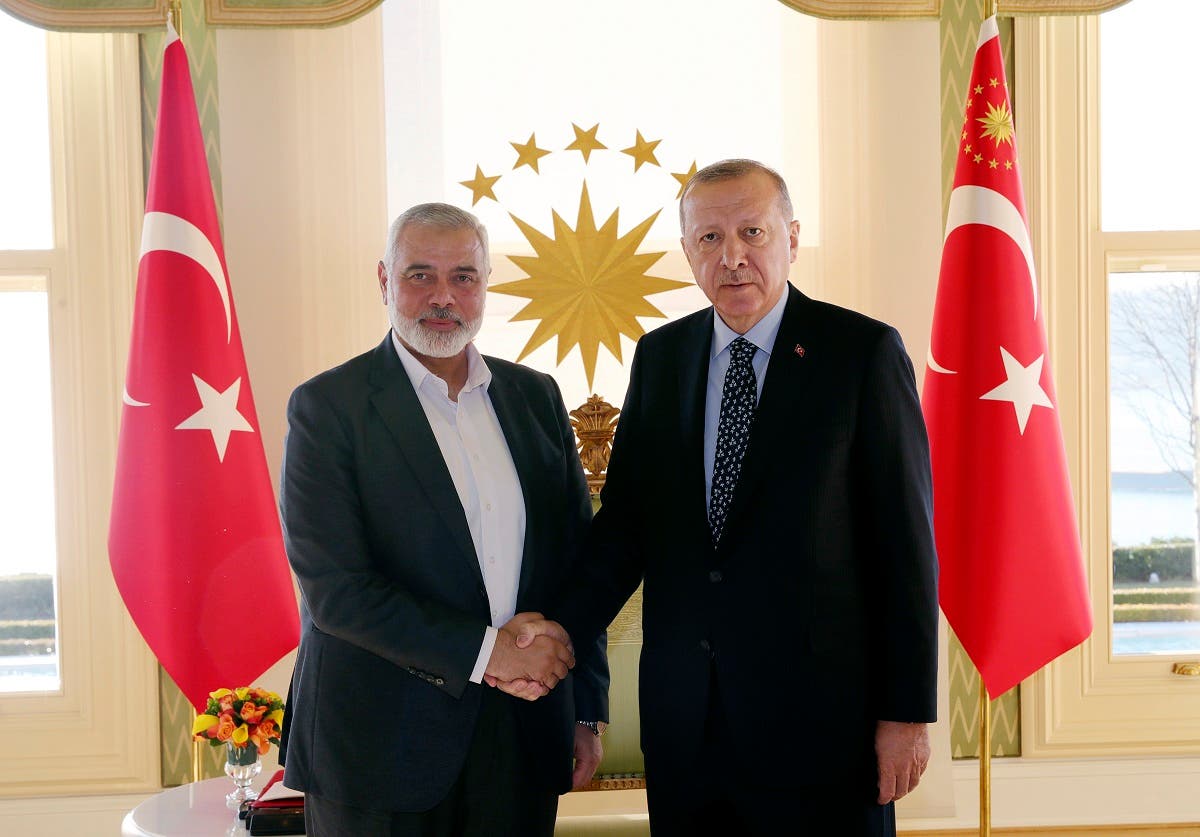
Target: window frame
1089, 702
99, 732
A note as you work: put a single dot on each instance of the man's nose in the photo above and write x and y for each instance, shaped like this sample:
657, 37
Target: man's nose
442, 293
733, 254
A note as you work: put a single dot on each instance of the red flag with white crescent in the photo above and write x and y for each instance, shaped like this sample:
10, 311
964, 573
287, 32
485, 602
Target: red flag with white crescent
1012, 582
194, 538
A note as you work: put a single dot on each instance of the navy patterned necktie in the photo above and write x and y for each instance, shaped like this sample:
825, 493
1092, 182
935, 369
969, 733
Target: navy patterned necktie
738, 397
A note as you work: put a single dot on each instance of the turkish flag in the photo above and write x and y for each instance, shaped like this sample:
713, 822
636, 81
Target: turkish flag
1012, 581
194, 538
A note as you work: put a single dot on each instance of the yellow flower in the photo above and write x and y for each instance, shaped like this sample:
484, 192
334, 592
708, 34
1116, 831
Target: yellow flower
202, 723
240, 734
276, 716
242, 692
219, 693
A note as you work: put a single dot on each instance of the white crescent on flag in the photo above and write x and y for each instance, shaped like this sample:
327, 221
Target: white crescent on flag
979, 205
163, 231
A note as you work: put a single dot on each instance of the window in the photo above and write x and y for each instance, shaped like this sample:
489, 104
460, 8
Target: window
1118, 244
70, 233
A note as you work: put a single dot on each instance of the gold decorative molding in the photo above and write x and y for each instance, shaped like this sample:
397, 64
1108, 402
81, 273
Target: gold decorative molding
894, 9
1012, 8
1186, 669
867, 9
284, 12
89, 15
595, 422
604, 783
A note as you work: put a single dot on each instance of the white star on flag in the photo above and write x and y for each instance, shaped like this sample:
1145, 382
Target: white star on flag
218, 415
1023, 387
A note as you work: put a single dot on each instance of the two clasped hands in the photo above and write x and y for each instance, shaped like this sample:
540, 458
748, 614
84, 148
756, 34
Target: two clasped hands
532, 654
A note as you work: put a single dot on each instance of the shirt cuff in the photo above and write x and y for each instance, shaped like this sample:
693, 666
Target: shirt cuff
485, 654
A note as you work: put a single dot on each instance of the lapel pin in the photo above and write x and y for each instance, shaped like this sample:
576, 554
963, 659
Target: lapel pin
799, 350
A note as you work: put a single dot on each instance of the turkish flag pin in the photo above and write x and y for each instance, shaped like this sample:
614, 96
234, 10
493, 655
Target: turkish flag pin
799, 350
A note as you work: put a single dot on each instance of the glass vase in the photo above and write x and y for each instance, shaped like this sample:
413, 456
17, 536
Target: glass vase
241, 765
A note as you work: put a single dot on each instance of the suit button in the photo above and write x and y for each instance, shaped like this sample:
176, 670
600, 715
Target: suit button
439, 682
715, 576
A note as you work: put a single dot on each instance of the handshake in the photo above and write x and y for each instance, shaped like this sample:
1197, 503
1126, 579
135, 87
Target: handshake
532, 654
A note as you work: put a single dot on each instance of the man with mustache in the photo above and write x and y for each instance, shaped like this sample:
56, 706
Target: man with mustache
428, 495
770, 485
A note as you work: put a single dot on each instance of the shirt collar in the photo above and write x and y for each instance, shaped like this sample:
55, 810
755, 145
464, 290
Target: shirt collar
762, 334
478, 373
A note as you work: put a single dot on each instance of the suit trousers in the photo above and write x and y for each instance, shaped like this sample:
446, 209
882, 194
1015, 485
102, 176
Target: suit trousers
492, 796
716, 801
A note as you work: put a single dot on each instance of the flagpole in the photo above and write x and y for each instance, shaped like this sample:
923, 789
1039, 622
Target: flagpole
989, 9
175, 11
985, 762
196, 766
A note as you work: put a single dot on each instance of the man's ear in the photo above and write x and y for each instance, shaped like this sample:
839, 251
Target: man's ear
793, 239
383, 280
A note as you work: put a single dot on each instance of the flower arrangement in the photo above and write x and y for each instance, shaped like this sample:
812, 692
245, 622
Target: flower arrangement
241, 717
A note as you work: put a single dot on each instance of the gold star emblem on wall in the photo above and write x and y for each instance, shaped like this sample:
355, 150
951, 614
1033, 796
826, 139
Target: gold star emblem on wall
528, 154
586, 285
480, 186
642, 152
585, 141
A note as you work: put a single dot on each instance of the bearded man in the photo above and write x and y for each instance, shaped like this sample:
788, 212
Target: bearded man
429, 494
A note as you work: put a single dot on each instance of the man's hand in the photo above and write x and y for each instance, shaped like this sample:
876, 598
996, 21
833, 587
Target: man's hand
588, 753
903, 753
530, 671
533, 625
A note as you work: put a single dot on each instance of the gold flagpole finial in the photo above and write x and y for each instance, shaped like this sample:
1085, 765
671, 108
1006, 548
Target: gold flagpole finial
989, 8
175, 10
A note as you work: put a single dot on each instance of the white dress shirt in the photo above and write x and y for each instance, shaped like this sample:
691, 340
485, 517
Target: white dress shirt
762, 334
481, 466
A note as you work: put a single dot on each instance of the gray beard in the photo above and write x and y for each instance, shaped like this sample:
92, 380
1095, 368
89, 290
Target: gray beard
431, 343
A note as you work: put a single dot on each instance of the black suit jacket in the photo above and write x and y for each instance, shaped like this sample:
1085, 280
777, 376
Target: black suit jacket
394, 605
818, 613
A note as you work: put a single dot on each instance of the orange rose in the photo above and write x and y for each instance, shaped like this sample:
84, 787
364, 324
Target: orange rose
225, 726
252, 714
225, 702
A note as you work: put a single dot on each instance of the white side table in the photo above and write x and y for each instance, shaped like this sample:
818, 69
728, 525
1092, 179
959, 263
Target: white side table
195, 810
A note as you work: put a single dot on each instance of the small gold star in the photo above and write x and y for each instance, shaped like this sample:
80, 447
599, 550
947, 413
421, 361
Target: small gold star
970, 102
992, 164
683, 177
967, 147
978, 89
993, 82
642, 151
480, 186
1008, 164
528, 154
585, 141
964, 136
978, 158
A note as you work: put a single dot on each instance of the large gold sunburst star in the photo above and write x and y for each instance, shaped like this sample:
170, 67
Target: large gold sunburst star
998, 123
586, 285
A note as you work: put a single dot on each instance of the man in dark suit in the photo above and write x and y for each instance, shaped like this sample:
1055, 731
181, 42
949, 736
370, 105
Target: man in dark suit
428, 495
770, 485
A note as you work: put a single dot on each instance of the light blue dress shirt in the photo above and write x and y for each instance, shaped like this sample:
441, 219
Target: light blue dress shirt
762, 335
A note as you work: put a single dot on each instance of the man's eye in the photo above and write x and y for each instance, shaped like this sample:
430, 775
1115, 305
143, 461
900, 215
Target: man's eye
418, 277
753, 232
709, 237
466, 278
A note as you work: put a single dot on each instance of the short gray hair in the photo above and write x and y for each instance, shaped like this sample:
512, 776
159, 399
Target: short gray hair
441, 215
731, 170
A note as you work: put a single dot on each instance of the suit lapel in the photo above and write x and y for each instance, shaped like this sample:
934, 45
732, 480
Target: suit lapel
696, 345
519, 432
775, 420
402, 414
